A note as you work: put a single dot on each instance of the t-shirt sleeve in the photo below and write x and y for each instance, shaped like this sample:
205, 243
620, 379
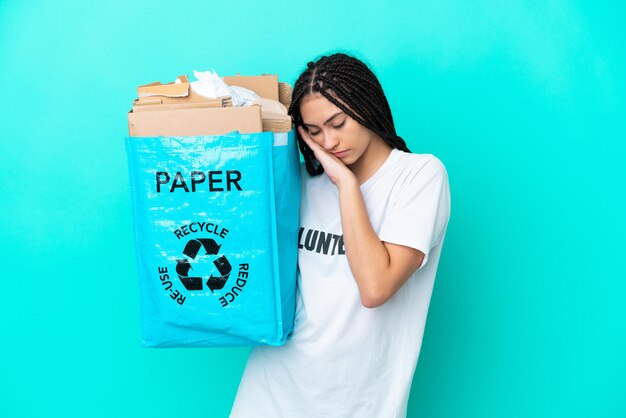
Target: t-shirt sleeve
418, 216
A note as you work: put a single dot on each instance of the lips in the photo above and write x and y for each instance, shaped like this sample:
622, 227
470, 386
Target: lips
340, 154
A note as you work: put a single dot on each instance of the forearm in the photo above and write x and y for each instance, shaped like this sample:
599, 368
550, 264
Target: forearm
368, 257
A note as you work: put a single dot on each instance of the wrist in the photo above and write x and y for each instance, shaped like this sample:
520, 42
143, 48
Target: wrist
347, 180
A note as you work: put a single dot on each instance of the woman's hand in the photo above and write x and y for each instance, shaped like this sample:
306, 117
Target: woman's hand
334, 168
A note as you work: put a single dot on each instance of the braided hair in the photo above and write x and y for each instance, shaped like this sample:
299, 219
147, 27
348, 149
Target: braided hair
340, 76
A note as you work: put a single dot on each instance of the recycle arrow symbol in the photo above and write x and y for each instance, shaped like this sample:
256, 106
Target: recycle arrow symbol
224, 267
190, 283
191, 250
193, 246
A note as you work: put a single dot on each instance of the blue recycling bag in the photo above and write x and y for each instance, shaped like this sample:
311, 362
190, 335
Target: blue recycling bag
215, 225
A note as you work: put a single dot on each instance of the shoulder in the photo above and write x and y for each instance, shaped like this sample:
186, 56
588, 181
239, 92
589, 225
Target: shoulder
419, 161
418, 168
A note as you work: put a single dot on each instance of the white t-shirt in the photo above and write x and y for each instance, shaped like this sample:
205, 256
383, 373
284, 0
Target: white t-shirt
345, 360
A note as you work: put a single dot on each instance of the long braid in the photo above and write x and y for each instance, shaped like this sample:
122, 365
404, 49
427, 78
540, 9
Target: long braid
351, 82
301, 89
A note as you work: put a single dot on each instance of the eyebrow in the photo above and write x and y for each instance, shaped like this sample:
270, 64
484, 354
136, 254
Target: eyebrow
327, 120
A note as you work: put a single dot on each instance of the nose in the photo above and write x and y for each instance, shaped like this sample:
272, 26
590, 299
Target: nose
330, 141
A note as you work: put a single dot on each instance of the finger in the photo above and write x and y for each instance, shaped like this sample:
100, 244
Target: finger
307, 140
321, 154
304, 135
302, 131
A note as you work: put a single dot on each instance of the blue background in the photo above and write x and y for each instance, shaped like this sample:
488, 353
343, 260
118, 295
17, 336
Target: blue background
523, 101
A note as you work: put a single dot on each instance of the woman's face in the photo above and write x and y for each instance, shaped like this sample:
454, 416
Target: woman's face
337, 132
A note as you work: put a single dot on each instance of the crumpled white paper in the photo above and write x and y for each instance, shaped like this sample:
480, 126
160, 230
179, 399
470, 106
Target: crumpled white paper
209, 84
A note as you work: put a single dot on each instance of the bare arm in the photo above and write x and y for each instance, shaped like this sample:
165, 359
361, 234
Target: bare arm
379, 268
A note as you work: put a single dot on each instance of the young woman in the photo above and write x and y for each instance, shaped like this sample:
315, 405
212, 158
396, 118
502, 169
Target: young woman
373, 221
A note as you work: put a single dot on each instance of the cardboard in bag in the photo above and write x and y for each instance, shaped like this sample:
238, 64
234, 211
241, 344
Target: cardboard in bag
157, 96
174, 109
265, 86
173, 89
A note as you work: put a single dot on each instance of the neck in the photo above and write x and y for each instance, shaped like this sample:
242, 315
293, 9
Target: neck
372, 159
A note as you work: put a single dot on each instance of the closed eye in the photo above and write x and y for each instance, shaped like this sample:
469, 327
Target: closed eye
312, 133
